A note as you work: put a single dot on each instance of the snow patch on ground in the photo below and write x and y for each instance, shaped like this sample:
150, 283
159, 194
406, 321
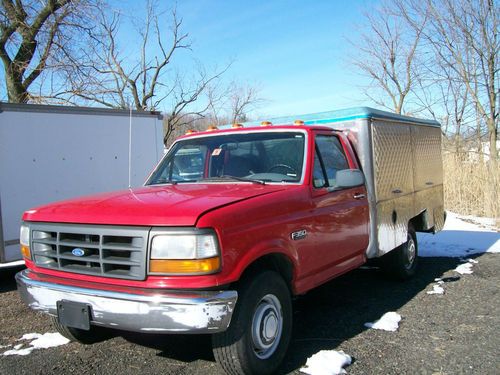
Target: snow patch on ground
388, 322
327, 362
436, 290
39, 341
464, 269
29, 336
24, 351
461, 236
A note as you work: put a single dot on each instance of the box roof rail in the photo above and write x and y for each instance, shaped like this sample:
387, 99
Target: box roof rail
348, 114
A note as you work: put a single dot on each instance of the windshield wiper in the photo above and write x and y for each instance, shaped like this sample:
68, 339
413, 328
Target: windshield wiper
172, 182
228, 177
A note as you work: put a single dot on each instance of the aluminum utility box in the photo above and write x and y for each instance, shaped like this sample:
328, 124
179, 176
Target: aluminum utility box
50, 153
402, 163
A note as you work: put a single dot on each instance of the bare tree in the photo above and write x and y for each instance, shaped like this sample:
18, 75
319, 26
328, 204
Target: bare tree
181, 112
109, 77
440, 94
441, 57
386, 52
34, 35
217, 96
242, 100
223, 104
464, 36
232, 103
465, 33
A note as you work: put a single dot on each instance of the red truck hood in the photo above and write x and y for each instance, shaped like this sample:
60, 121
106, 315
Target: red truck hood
174, 205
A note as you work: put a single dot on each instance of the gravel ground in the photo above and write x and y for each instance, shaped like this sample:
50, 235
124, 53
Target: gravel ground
454, 333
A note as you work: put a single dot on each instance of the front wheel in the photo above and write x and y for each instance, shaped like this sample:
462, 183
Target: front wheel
401, 263
260, 330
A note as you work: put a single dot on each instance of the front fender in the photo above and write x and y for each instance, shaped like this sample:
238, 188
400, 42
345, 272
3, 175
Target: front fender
260, 250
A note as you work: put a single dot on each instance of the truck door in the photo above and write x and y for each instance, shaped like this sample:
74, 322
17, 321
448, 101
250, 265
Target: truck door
341, 215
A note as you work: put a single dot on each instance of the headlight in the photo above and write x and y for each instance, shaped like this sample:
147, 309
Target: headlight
24, 239
171, 246
187, 252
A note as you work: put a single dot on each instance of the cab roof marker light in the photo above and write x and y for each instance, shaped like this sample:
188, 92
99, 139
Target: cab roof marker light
266, 123
191, 131
212, 128
237, 126
298, 122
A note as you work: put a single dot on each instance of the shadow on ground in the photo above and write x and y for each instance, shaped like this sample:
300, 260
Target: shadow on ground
184, 348
323, 318
7, 280
337, 311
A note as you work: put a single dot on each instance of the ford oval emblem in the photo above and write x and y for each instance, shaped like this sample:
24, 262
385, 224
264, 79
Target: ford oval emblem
77, 252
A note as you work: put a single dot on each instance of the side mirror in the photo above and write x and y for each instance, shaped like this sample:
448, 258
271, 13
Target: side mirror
347, 178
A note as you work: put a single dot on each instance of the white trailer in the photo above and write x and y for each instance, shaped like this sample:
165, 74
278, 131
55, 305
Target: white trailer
50, 153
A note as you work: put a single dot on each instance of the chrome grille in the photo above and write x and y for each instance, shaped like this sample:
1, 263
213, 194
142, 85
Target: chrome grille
109, 251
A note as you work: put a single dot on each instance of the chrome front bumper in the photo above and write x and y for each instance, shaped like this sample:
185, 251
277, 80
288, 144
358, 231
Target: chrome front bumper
142, 311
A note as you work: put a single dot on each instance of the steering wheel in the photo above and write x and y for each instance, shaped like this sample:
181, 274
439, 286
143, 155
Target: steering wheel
284, 166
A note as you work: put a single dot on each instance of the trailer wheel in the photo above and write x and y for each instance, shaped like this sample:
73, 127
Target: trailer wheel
79, 335
260, 330
401, 263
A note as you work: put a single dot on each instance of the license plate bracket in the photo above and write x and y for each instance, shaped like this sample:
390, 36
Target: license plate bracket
74, 314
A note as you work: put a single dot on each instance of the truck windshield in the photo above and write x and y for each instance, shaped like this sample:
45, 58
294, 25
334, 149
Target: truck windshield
255, 157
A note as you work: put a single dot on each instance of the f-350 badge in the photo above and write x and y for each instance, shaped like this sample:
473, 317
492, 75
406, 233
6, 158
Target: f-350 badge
299, 235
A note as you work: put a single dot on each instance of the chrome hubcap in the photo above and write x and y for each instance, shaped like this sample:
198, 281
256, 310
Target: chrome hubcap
410, 253
267, 325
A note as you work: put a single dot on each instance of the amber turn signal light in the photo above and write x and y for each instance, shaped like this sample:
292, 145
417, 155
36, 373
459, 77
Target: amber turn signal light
25, 251
184, 266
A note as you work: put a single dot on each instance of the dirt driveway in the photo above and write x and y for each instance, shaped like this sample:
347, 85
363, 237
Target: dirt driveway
453, 333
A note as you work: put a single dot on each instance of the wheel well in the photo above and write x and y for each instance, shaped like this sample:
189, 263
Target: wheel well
419, 222
273, 262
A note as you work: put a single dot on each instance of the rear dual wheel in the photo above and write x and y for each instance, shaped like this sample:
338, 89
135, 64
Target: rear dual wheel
401, 263
258, 336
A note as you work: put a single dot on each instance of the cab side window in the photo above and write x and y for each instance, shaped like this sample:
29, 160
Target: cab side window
328, 159
319, 179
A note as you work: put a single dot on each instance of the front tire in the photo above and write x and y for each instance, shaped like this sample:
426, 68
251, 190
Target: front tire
258, 336
79, 335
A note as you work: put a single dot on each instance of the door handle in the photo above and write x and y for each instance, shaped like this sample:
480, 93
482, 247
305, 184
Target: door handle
359, 196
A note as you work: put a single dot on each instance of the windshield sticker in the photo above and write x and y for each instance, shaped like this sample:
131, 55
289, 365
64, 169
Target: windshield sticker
216, 151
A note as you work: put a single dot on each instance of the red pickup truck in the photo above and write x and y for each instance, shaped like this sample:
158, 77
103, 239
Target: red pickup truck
232, 224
